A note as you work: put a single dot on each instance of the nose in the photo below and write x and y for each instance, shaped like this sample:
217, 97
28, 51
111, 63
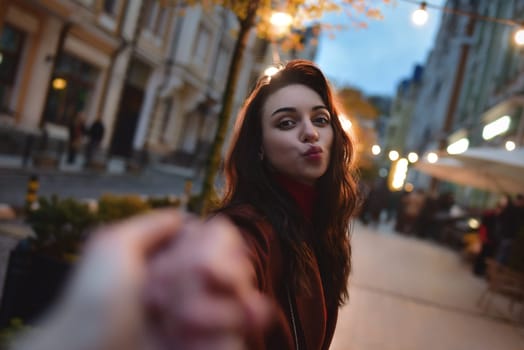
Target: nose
309, 133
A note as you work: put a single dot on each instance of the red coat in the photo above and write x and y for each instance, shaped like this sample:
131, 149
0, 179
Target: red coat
314, 322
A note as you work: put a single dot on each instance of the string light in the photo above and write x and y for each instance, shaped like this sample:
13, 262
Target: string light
510, 145
393, 155
412, 157
519, 34
420, 16
432, 157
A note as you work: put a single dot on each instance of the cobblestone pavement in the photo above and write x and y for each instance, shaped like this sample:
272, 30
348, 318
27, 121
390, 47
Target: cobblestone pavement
410, 294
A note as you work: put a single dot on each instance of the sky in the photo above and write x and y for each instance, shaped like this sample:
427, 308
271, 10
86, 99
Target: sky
375, 59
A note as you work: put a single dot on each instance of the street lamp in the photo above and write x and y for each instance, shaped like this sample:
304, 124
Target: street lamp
281, 21
400, 170
459, 146
280, 24
497, 127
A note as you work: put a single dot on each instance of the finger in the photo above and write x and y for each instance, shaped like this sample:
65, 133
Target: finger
228, 266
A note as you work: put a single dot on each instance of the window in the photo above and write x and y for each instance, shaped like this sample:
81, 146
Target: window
11, 44
151, 13
202, 45
156, 16
72, 86
161, 21
109, 7
222, 66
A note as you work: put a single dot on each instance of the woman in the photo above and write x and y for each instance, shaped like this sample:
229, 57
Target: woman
166, 281
290, 191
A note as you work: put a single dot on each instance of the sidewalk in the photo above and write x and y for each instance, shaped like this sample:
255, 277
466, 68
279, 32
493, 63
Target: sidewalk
14, 163
75, 181
410, 294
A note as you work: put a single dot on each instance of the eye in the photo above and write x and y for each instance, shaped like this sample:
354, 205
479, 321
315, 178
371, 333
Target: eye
286, 124
321, 119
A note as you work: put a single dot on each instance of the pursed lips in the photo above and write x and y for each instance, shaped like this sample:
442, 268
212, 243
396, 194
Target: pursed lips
312, 151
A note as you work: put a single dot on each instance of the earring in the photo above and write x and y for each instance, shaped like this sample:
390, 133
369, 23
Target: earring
261, 155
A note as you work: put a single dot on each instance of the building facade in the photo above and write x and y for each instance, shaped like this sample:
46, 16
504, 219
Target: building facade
153, 74
493, 84
401, 121
473, 76
440, 82
60, 58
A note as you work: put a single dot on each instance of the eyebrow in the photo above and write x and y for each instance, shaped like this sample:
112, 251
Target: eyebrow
293, 109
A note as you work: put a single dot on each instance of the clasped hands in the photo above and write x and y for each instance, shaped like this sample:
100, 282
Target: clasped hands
163, 280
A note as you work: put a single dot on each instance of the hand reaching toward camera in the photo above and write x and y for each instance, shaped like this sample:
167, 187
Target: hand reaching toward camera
157, 281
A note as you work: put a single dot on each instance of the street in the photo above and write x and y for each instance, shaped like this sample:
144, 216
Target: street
410, 294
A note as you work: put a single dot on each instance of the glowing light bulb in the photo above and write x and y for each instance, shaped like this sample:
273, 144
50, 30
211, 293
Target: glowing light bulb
393, 155
420, 16
432, 157
280, 22
519, 36
59, 83
412, 157
510, 145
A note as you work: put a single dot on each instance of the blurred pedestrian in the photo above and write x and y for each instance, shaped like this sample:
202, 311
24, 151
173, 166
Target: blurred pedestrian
95, 135
376, 201
412, 206
424, 224
77, 131
488, 236
509, 222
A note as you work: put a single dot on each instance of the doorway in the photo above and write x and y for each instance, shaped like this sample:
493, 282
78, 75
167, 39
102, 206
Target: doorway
127, 120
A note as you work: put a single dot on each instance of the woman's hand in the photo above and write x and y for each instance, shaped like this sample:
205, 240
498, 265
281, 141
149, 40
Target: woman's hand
127, 293
206, 268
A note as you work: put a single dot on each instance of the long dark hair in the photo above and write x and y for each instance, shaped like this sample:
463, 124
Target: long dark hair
249, 181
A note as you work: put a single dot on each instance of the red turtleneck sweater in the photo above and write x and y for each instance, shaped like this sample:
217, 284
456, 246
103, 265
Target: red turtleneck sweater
303, 194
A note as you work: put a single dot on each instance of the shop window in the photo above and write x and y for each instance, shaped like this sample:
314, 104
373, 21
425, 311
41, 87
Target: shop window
11, 44
71, 89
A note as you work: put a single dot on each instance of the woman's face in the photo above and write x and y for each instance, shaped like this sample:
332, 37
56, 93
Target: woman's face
297, 133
